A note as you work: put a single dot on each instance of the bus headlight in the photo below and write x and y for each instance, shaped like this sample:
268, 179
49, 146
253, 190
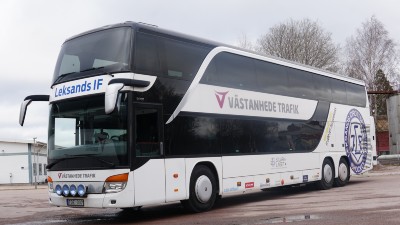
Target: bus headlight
115, 183
58, 190
81, 190
72, 190
65, 190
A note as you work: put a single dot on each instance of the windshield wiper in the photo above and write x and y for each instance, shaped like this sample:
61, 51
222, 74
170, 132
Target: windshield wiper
59, 78
111, 165
93, 68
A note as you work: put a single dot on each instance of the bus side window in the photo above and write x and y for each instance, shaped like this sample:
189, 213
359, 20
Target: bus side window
338, 91
355, 95
271, 78
210, 73
236, 71
323, 90
301, 83
146, 58
181, 59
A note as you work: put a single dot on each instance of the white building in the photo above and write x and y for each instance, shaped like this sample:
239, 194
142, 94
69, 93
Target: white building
22, 161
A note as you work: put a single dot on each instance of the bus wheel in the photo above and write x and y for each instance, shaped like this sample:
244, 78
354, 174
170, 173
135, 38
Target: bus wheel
203, 192
343, 173
328, 175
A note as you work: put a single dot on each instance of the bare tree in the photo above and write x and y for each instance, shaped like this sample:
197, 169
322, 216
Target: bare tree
302, 41
244, 42
369, 51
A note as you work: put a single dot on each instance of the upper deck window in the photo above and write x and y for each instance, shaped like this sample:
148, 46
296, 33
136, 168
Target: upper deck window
106, 51
167, 57
241, 72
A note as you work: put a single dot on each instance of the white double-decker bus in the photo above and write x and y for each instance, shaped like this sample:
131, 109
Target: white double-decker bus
141, 115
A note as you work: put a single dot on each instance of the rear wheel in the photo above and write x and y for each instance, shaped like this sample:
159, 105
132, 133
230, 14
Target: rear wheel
343, 173
328, 175
203, 190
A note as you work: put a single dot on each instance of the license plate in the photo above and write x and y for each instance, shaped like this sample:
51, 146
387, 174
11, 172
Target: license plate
75, 202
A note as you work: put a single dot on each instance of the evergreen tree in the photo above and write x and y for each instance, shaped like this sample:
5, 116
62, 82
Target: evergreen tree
381, 84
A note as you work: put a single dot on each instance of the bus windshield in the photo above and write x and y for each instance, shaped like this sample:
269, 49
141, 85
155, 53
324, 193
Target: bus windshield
82, 136
106, 51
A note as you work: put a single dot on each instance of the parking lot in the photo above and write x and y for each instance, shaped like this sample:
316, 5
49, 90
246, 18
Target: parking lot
372, 198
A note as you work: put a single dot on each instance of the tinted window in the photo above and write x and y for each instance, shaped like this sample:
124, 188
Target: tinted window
237, 136
182, 59
268, 136
192, 136
157, 55
271, 78
240, 72
355, 95
301, 83
338, 91
201, 135
232, 71
210, 75
146, 55
322, 86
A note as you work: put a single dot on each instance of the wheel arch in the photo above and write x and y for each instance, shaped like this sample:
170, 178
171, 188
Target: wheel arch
213, 163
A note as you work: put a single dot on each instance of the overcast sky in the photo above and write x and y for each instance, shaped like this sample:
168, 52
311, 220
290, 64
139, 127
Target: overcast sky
32, 32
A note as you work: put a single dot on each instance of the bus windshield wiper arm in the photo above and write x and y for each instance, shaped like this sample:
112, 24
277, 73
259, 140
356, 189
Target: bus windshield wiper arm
93, 68
97, 158
59, 78
80, 156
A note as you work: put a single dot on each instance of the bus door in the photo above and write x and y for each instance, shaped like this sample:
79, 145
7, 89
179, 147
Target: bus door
149, 168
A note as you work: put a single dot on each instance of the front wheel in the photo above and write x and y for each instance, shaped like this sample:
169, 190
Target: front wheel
203, 190
328, 175
343, 173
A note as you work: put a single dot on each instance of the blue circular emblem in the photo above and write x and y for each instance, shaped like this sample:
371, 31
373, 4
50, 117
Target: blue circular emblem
355, 140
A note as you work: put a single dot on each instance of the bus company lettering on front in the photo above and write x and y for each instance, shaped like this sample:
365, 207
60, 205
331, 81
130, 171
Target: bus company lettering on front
79, 88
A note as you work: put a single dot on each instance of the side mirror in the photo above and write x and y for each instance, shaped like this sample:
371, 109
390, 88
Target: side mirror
111, 96
26, 102
22, 111
113, 88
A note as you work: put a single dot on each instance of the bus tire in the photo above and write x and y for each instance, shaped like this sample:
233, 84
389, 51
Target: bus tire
328, 175
343, 173
203, 190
